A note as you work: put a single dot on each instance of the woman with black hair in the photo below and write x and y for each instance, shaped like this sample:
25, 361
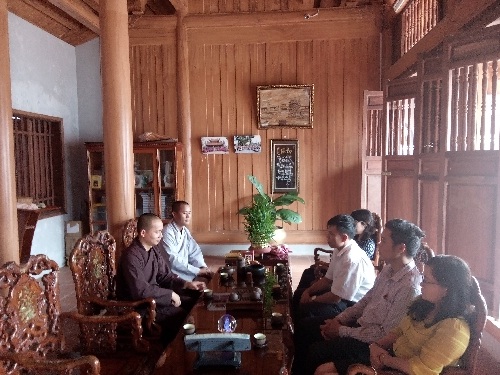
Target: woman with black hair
435, 332
365, 231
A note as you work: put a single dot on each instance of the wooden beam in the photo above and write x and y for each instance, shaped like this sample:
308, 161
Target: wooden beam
80, 12
136, 6
456, 19
181, 6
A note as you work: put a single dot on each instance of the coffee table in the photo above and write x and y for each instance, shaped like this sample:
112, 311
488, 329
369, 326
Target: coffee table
274, 358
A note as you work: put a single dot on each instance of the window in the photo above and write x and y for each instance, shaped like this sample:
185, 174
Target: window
400, 126
38, 149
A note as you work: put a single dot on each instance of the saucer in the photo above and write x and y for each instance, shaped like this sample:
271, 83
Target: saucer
260, 346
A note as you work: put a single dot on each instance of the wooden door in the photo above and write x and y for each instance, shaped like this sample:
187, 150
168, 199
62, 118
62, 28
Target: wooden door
371, 182
398, 161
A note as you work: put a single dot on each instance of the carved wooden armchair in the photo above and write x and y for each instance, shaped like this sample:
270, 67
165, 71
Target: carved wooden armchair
31, 340
477, 321
92, 264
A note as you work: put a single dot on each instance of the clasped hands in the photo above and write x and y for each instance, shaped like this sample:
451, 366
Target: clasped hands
377, 356
193, 285
330, 329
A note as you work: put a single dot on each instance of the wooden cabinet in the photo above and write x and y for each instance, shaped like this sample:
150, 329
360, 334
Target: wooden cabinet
159, 180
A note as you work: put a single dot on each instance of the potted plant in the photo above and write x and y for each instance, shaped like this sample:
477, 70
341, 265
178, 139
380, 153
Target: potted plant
262, 214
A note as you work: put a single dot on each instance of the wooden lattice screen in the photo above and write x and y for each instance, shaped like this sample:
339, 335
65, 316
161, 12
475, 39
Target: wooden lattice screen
374, 129
400, 126
417, 19
38, 158
474, 110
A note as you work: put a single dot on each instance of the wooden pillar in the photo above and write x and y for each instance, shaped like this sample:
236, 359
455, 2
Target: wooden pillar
8, 211
117, 116
184, 103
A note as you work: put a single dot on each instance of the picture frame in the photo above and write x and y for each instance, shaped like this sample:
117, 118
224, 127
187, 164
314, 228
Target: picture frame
289, 106
96, 181
284, 165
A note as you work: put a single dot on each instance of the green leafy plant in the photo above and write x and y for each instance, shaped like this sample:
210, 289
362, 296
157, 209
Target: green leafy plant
262, 214
269, 282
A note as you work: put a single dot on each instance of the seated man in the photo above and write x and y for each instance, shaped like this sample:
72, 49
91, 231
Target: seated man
345, 339
183, 254
349, 276
143, 272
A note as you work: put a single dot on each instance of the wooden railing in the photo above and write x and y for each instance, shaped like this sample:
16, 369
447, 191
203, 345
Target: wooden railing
417, 19
474, 111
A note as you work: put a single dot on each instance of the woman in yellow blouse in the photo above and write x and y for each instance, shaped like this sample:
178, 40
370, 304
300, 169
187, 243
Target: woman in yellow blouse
434, 334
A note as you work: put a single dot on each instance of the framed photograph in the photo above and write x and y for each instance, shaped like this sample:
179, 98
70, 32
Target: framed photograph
247, 144
214, 145
284, 165
96, 181
285, 106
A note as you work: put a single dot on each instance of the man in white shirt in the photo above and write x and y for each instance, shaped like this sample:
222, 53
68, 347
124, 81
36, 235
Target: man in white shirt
183, 254
349, 276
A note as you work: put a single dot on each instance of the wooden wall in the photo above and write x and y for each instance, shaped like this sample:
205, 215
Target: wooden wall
229, 56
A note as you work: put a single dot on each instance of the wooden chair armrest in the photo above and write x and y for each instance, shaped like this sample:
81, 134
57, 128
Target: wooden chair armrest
35, 363
119, 307
358, 369
132, 317
317, 250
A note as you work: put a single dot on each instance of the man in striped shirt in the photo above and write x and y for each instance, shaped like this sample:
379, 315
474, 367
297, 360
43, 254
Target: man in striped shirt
347, 336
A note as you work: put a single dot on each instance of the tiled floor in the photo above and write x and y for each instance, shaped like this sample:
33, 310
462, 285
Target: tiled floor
487, 365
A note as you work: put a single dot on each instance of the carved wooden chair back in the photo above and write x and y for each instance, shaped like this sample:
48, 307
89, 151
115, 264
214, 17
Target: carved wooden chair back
377, 222
93, 266
423, 255
477, 320
129, 232
30, 324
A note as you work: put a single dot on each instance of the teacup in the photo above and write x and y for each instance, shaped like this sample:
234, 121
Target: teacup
189, 328
207, 293
276, 319
234, 297
260, 339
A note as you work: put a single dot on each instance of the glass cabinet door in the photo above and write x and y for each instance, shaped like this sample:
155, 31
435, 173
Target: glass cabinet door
97, 190
144, 176
167, 182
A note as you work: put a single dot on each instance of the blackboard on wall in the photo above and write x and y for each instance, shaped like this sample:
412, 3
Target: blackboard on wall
284, 165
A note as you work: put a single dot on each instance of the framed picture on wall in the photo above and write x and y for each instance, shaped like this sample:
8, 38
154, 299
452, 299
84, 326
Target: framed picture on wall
284, 165
285, 106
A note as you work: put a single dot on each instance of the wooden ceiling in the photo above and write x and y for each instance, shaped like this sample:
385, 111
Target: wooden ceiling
77, 21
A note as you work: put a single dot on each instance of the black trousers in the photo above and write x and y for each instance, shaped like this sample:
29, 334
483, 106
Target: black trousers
307, 327
171, 318
342, 351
